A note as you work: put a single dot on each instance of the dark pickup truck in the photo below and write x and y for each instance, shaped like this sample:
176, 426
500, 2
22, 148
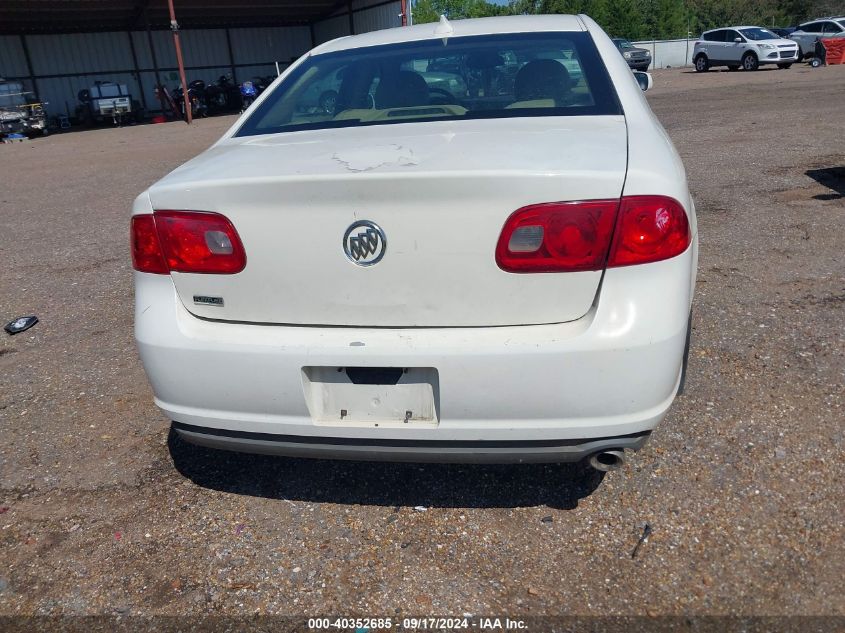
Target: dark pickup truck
637, 58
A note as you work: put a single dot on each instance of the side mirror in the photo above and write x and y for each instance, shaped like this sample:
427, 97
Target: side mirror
644, 79
737, 40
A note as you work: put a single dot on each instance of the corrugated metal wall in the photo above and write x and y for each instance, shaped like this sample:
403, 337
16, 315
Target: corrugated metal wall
67, 63
12, 58
375, 18
332, 28
63, 64
368, 15
252, 46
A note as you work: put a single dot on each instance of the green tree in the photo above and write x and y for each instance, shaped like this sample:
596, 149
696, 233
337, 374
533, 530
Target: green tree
598, 10
616, 16
664, 19
563, 6
431, 10
524, 7
624, 19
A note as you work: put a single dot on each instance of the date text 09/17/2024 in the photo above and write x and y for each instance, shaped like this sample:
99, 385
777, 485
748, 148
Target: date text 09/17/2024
362, 625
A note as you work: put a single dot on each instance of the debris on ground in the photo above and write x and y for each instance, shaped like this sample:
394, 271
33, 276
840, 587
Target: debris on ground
20, 324
643, 539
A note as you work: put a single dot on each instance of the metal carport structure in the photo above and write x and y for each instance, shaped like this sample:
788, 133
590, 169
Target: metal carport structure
60, 46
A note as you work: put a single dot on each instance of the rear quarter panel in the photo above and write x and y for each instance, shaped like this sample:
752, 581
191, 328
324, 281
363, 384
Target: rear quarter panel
654, 165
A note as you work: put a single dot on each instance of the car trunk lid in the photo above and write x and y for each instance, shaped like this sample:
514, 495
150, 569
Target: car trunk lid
440, 191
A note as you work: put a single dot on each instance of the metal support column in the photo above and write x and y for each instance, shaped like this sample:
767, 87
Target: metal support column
137, 70
231, 56
29, 67
159, 86
351, 18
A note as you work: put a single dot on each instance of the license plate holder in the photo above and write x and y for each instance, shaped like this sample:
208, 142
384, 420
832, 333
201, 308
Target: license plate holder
378, 397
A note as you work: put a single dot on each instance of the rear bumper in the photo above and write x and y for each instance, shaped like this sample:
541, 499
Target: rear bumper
530, 393
434, 451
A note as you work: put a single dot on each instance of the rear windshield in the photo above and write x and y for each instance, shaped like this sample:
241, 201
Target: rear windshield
511, 75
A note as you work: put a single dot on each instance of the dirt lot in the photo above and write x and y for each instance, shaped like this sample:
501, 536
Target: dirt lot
742, 485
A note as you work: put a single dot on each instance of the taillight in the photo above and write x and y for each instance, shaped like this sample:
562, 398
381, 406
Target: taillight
648, 229
557, 237
576, 236
188, 242
146, 251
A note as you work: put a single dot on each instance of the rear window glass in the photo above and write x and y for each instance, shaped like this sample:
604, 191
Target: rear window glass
715, 36
492, 76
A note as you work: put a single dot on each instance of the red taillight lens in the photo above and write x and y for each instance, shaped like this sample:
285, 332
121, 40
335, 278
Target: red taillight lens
649, 229
146, 251
557, 237
186, 241
576, 236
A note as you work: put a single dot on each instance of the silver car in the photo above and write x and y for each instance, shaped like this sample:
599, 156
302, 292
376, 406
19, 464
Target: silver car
809, 32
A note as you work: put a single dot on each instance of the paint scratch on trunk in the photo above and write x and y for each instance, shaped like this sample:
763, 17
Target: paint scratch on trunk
369, 158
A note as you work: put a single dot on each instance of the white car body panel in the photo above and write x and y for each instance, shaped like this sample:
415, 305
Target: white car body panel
249, 377
442, 237
576, 362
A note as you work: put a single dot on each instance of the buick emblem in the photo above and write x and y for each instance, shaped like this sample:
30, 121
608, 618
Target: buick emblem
364, 243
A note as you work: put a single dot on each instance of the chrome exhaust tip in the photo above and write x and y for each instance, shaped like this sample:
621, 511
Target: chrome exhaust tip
606, 461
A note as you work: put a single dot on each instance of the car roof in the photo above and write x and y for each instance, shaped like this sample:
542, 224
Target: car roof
459, 28
827, 19
737, 28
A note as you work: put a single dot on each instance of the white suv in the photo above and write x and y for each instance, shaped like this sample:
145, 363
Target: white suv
807, 34
746, 46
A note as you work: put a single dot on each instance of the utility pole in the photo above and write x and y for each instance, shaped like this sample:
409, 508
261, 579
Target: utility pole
174, 26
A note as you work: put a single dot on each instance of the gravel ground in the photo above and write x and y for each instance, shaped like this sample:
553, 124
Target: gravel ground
101, 512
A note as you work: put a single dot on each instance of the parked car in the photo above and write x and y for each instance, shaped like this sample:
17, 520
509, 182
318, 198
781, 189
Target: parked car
746, 46
20, 112
807, 33
495, 279
637, 58
321, 97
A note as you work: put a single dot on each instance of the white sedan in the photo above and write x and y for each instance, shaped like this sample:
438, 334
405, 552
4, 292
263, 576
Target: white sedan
500, 275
